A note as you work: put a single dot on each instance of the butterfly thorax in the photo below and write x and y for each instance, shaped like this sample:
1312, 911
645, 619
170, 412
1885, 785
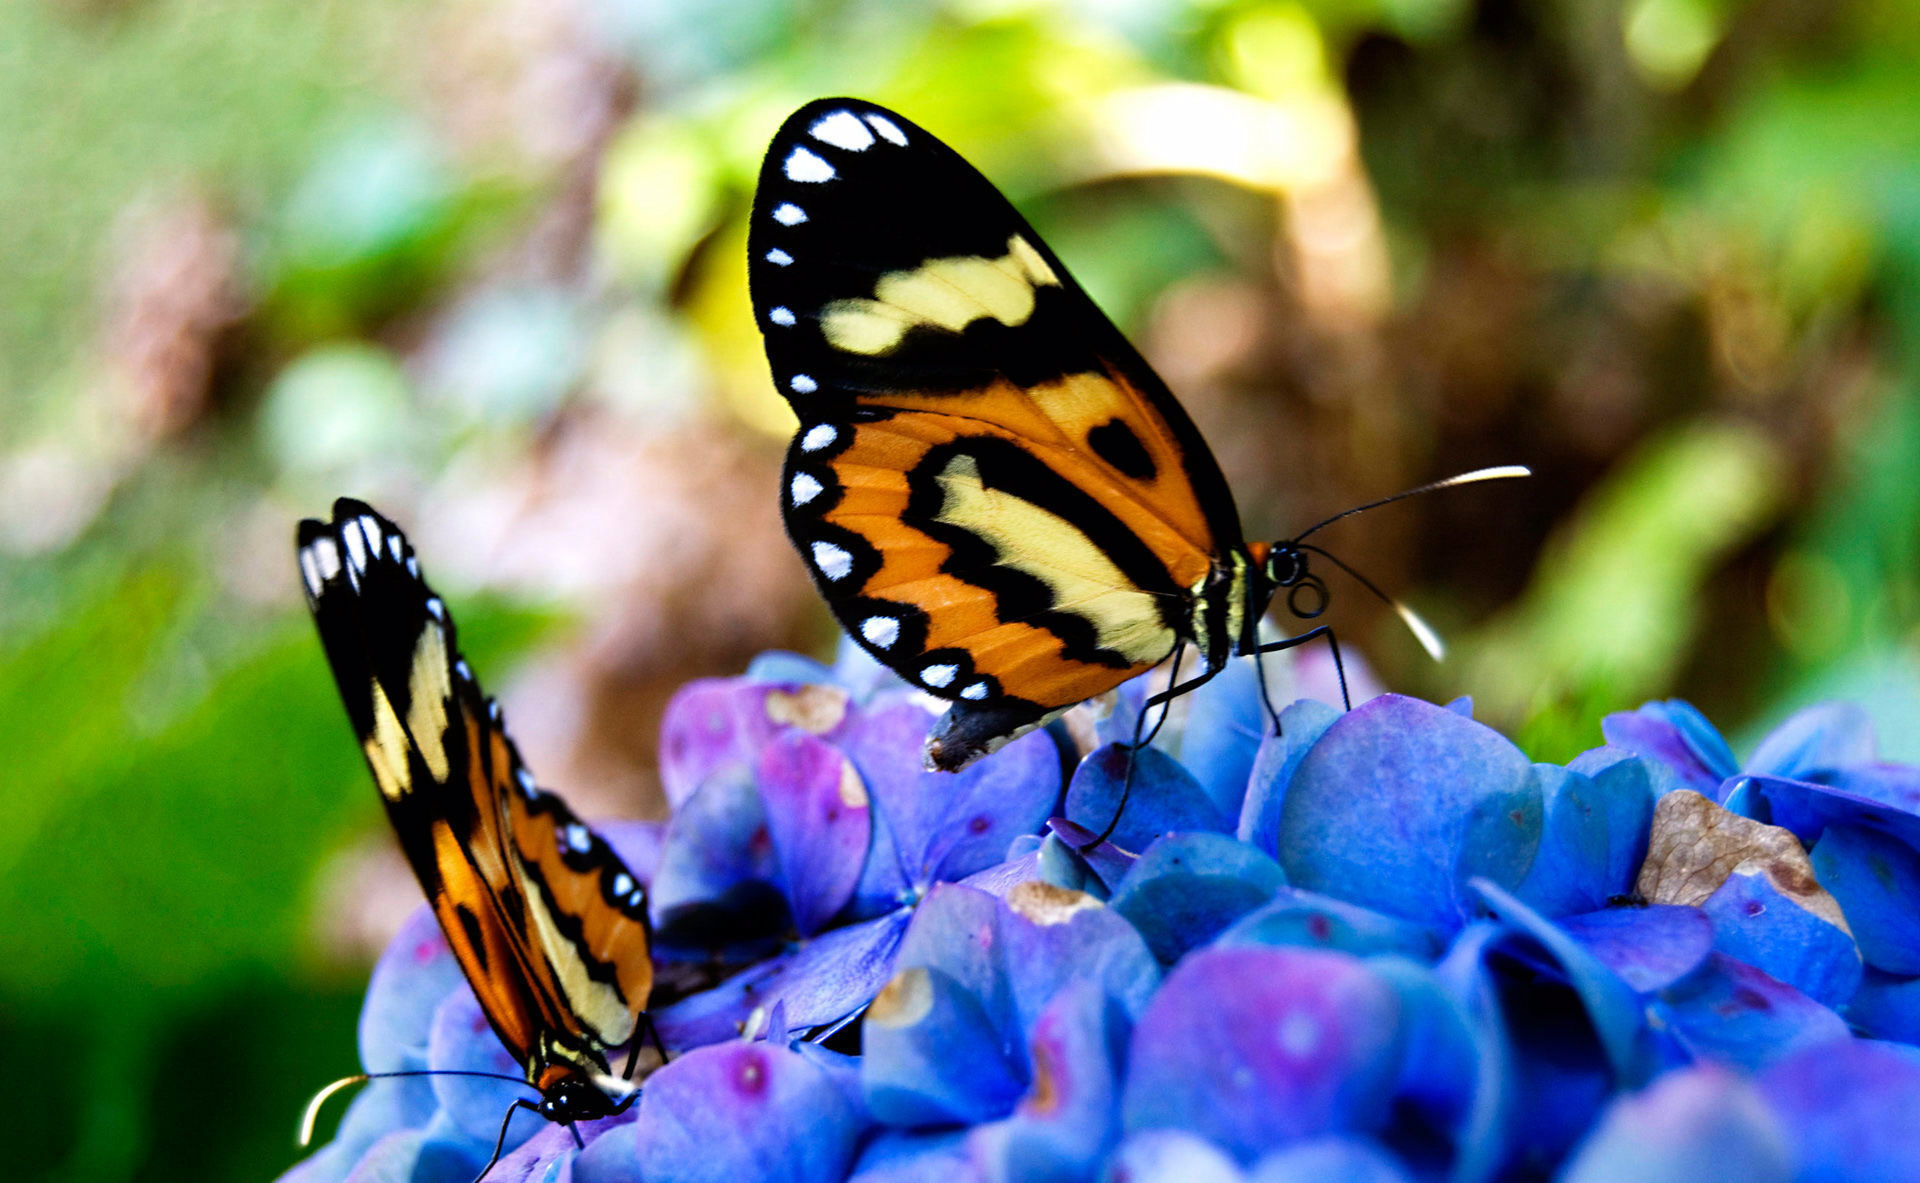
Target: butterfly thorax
565, 1077
1228, 605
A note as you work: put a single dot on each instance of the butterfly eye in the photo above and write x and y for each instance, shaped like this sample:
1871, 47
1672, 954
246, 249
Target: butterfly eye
1286, 566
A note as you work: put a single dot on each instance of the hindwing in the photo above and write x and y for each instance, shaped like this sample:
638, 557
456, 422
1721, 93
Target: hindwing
547, 922
995, 494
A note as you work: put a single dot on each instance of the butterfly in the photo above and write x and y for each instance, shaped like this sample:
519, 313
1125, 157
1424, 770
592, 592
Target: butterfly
548, 924
994, 493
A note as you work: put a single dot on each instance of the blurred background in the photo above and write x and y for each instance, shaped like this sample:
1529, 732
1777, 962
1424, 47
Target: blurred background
481, 262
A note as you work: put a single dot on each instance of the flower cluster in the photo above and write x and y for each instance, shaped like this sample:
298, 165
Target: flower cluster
1380, 946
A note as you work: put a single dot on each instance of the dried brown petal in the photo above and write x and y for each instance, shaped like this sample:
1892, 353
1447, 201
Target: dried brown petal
1696, 844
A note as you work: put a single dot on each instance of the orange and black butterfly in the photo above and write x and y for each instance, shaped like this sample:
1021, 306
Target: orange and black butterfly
549, 925
995, 494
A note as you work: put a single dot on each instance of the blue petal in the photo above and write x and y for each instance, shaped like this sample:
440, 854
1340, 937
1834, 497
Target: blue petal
1755, 922
1349, 1160
390, 1160
1170, 1156
1594, 839
1164, 796
1275, 763
415, 974
1650, 948
1450, 1095
1225, 724
1308, 920
1068, 1120
1733, 1013
1106, 862
1861, 798
1886, 1007
821, 982
1257, 1048
1849, 1111
1187, 888
730, 1112
779, 666
1616, 1013
1820, 738
1486, 1129
915, 1156
1400, 802
932, 1056
463, 1041
884, 741
718, 860
1063, 865
1678, 738
1694, 1125
819, 821
1876, 880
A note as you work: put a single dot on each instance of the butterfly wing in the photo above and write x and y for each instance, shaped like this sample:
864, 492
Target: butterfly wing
995, 494
548, 924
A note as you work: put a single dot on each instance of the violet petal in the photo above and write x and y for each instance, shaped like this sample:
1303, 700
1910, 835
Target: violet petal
1697, 1124
819, 821
1257, 1048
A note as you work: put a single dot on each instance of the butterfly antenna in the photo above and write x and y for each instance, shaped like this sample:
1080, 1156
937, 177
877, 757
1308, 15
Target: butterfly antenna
1421, 630
1498, 473
320, 1098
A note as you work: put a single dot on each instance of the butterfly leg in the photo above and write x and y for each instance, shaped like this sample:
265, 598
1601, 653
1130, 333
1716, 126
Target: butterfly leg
500, 1143
1339, 667
1163, 700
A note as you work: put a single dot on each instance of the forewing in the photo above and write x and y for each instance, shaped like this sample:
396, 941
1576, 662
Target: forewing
995, 494
546, 922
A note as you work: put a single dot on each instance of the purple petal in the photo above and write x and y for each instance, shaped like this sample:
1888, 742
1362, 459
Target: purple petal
1067, 1121
1257, 1048
956, 931
1308, 920
1170, 1156
707, 728
1650, 948
1820, 738
1400, 802
953, 824
729, 1112
1876, 880
819, 821
884, 741
1849, 1111
1755, 922
1697, 1124
1678, 738
1349, 1160
1187, 888
1164, 796
1275, 763
717, 867
638, 843
464, 1041
932, 1056
998, 880
1048, 938
821, 982
1886, 1007
414, 975
1730, 1012
1597, 813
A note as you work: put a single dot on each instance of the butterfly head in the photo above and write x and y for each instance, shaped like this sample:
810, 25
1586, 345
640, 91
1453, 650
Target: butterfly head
1285, 567
576, 1097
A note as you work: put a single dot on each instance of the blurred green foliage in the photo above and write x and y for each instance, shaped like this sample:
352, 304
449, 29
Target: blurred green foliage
1667, 251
